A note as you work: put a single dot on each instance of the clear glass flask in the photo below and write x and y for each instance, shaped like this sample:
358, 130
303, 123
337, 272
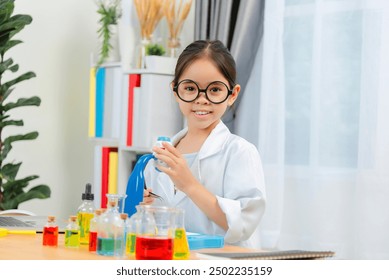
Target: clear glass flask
181, 246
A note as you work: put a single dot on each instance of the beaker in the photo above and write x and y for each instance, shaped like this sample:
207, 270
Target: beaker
155, 233
181, 246
131, 229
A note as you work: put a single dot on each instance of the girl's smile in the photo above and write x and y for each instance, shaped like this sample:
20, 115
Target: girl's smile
201, 114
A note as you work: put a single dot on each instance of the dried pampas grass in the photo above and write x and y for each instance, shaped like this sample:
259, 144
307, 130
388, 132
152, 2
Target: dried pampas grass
149, 12
176, 12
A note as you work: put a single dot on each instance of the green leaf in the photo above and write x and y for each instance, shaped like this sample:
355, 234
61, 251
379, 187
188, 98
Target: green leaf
4, 87
9, 171
8, 204
7, 144
39, 192
15, 23
5, 94
18, 185
11, 122
6, 10
5, 65
8, 45
32, 101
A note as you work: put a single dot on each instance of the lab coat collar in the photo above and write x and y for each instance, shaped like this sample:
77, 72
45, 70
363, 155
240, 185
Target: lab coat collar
212, 145
214, 142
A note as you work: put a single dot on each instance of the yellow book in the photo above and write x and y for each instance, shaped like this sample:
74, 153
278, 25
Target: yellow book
92, 102
113, 172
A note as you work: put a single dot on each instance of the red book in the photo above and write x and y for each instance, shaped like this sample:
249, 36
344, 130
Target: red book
104, 175
133, 81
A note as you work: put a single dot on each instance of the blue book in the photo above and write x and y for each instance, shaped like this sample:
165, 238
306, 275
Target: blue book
100, 88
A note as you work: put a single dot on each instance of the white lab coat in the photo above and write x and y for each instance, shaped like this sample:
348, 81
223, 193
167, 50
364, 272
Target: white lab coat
229, 167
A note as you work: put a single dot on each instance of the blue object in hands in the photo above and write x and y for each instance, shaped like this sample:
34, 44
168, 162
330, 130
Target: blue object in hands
135, 185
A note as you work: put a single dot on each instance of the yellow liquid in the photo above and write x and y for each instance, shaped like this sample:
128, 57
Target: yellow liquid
181, 247
72, 238
130, 243
84, 223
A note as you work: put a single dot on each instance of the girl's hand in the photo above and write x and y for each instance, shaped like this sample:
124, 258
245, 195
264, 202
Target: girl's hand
177, 169
147, 199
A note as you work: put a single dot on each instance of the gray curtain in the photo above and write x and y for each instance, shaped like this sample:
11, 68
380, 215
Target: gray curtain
213, 19
239, 25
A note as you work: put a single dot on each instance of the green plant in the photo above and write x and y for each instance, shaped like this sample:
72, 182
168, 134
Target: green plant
109, 15
155, 49
11, 189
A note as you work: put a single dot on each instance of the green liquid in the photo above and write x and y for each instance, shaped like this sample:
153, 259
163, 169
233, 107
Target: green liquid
105, 246
84, 223
130, 243
72, 238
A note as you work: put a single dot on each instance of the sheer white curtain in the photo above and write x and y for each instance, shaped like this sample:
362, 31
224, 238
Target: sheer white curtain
317, 107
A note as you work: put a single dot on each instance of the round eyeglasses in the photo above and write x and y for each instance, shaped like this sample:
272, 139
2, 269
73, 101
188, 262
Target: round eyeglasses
216, 92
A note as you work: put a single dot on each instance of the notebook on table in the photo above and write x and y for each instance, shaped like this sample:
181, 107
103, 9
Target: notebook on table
272, 255
19, 222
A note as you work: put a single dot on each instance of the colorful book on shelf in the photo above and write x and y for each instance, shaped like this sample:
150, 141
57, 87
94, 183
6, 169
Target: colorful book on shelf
116, 102
109, 173
108, 103
134, 80
97, 175
92, 102
104, 175
113, 172
112, 104
100, 89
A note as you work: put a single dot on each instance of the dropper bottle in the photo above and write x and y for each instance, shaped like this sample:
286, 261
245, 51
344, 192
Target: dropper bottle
85, 213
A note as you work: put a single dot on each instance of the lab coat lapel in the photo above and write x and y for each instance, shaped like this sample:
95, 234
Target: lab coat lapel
212, 145
215, 141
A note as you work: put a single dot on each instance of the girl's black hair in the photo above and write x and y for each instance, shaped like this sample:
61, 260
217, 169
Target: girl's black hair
215, 51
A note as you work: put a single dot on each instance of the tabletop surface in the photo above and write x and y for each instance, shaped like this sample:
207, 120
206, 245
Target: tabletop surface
29, 247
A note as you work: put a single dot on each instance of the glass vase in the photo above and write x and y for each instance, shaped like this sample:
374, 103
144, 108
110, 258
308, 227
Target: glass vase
174, 47
141, 53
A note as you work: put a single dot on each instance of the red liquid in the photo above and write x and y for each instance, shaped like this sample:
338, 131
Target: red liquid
50, 236
153, 248
92, 241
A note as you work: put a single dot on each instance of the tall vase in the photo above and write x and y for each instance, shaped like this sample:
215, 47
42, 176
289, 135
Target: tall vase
174, 47
141, 53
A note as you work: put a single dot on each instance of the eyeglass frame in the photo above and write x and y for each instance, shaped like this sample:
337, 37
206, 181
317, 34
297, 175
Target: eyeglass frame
230, 91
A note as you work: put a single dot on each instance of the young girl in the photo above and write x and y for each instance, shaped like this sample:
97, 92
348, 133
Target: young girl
215, 176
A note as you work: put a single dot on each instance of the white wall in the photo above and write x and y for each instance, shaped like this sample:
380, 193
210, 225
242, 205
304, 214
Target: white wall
58, 46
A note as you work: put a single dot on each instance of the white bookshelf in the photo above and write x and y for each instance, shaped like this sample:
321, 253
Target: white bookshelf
155, 113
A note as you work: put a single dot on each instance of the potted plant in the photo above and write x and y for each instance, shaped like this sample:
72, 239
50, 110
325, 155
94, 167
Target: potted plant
156, 62
110, 13
155, 49
12, 190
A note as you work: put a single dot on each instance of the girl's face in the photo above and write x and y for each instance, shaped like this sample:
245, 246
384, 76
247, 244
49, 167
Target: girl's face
201, 113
